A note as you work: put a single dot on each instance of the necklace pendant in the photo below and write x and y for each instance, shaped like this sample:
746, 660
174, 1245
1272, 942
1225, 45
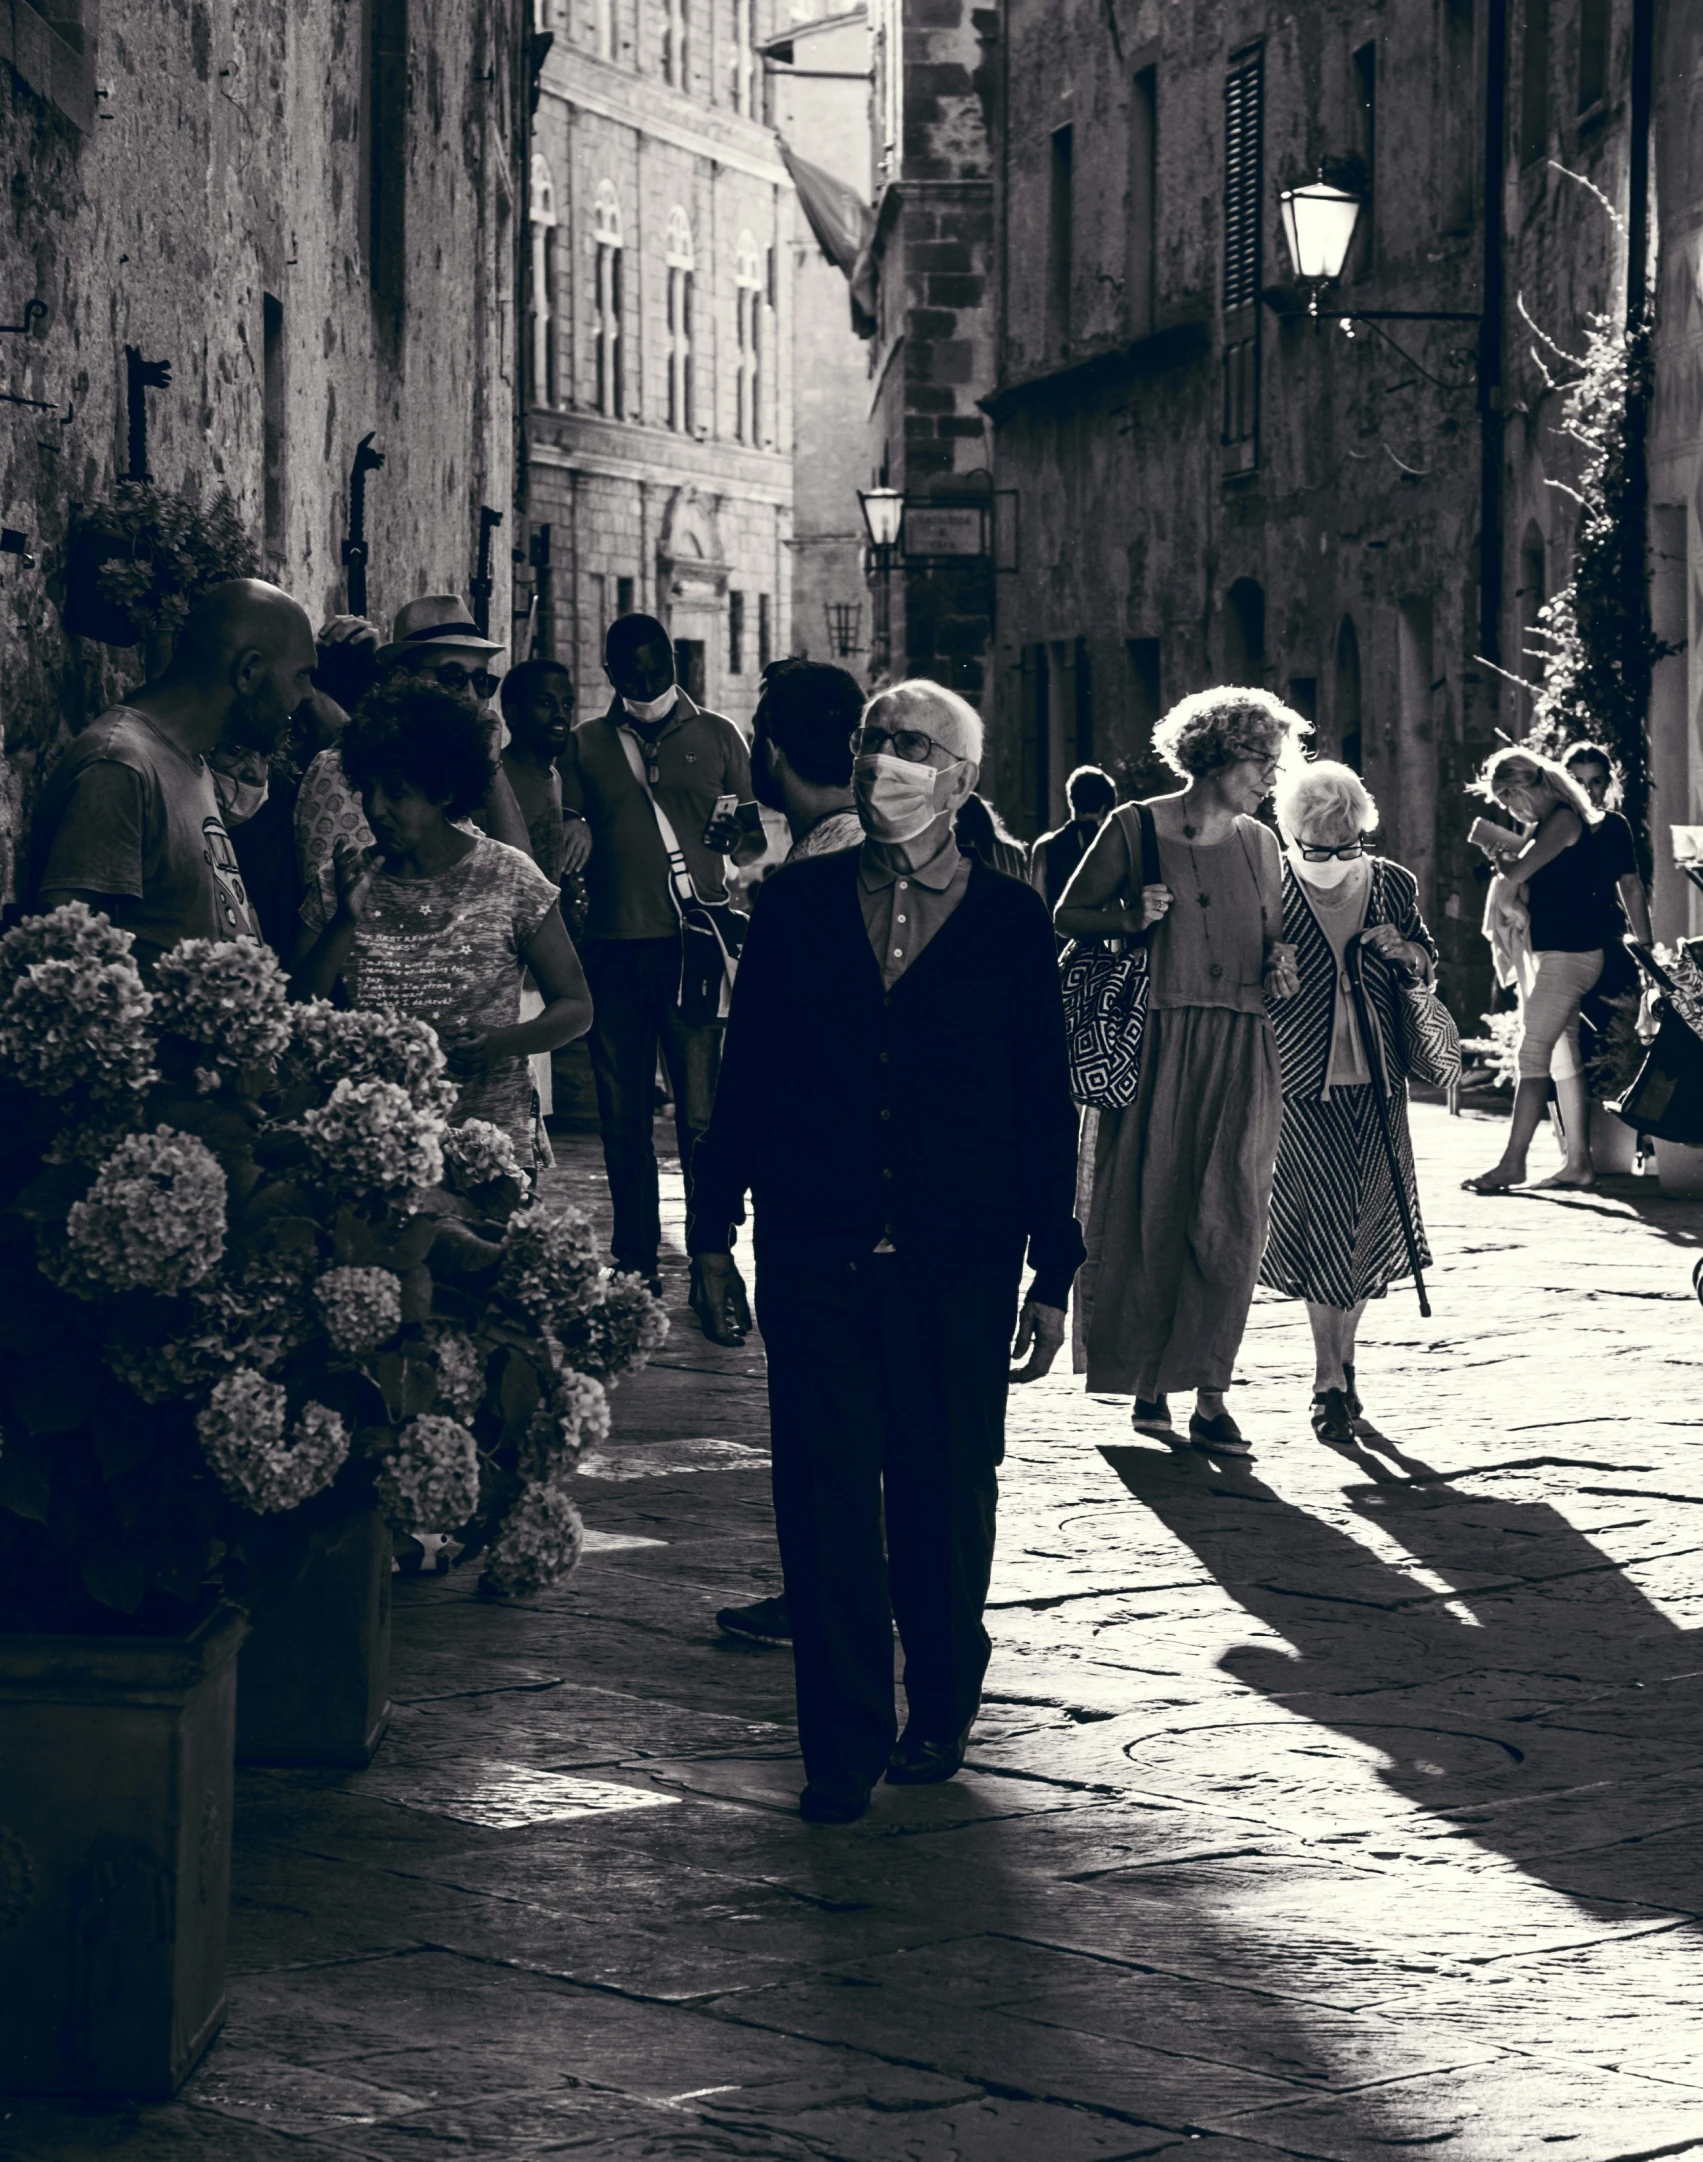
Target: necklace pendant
1205, 899
1189, 832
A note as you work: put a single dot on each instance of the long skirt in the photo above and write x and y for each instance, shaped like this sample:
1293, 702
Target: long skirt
1182, 1194
1335, 1228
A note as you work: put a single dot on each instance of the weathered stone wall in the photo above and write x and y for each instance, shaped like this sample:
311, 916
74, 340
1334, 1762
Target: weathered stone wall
228, 160
1340, 567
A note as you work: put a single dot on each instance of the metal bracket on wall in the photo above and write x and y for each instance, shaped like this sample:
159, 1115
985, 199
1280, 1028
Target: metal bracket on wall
367, 460
14, 543
42, 405
479, 592
34, 312
140, 376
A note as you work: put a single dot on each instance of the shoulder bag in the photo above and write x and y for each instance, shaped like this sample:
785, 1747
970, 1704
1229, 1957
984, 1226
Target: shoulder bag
712, 933
1105, 1001
1430, 1041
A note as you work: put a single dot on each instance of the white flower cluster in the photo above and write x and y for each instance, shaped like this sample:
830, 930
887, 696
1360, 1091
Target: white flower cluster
540, 1542
368, 1138
243, 1430
335, 1044
461, 1372
550, 1267
430, 1481
73, 1012
575, 1411
480, 1151
228, 997
153, 1220
620, 1334
361, 1308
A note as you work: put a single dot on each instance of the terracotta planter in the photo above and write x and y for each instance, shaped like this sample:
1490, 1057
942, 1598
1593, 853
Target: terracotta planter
1679, 1167
314, 1679
1614, 1144
115, 1856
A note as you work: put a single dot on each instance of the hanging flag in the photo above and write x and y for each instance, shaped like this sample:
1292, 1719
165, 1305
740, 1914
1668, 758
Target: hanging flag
839, 217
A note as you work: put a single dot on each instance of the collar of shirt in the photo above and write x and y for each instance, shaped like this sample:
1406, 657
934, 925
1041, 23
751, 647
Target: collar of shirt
874, 870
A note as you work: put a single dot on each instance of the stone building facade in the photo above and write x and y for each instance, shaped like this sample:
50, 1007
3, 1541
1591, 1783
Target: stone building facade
1209, 484
310, 214
658, 379
931, 355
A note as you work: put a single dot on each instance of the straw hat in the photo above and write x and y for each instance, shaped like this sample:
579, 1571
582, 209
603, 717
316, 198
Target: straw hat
439, 619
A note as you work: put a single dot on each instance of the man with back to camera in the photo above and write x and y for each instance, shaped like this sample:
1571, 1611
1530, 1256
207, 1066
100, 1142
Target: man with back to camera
896, 1100
653, 747
130, 820
801, 764
1092, 796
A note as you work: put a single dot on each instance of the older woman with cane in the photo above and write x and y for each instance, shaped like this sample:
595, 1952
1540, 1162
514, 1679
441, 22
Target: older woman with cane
1338, 1235
1182, 1176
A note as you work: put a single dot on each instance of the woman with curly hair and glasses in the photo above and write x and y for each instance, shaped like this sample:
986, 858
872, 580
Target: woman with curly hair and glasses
438, 920
1182, 1178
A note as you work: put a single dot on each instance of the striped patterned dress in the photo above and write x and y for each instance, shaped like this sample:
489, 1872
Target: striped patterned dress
1336, 1235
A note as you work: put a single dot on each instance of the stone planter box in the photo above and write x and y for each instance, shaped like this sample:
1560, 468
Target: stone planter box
1679, 1167
115, 1856
314, 1679
1614, 1144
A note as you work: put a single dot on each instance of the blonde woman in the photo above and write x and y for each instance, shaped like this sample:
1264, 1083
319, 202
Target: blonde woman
1552, 860
1336, 1225
1182, 1178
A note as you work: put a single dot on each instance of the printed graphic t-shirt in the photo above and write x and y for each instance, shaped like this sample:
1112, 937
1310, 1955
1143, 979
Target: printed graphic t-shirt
127, 814
448, 949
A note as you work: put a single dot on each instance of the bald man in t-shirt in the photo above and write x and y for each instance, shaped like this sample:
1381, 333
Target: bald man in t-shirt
129, 821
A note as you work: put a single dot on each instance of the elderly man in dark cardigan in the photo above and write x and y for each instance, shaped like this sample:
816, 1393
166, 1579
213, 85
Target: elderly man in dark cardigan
895, 1098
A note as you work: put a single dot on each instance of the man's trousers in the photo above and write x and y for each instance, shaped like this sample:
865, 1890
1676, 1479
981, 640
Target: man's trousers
887, 1384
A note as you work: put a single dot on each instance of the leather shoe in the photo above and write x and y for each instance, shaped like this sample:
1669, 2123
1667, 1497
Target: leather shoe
917, 1762
838, 1803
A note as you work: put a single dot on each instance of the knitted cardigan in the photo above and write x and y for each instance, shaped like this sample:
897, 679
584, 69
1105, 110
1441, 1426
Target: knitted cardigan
1305, 1024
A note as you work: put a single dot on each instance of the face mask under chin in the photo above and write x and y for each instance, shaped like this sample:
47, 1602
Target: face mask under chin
652, 709
895, 799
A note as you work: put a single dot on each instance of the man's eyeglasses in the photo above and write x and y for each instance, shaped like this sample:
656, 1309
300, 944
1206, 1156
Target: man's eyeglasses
454, 677
1345, 854
911, 744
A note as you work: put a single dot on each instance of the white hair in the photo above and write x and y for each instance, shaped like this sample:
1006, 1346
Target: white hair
1330, 794
938, 712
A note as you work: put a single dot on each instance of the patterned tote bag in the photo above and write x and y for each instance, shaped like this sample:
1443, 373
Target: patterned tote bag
1105, 1003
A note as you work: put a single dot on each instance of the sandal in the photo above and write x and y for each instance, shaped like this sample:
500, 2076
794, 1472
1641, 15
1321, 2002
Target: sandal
1218, 1437
1333, 1419
1356, 1409
1488, 1183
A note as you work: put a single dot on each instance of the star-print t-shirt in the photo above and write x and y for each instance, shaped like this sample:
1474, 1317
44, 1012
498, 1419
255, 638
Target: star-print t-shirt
448, 949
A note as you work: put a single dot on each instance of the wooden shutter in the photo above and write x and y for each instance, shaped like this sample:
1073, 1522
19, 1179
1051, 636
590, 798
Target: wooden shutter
1244, 161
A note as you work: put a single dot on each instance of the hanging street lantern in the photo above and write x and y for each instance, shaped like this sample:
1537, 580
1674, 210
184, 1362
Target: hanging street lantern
883, 515
1318, 225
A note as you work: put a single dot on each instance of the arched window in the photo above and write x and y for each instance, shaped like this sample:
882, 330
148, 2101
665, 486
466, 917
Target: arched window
676, 44
542, 227
606, 325
603, 28
681, 263
1345, 702
744, 62
748, 283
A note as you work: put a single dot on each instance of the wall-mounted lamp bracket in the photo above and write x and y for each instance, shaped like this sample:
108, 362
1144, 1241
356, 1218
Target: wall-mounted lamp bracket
34, 312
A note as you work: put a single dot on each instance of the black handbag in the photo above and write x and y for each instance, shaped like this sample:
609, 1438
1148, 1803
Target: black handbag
1667, 1097
1105, 1002
712, 933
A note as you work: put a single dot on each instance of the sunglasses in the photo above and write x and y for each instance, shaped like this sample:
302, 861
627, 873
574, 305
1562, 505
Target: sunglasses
454, 677
1346, 854
911, 744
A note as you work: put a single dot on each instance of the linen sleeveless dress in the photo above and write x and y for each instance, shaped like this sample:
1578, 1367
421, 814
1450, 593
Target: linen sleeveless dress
1182, 1177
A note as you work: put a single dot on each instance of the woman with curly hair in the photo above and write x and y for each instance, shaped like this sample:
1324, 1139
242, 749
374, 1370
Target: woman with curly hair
1182, 1178
1547, 874
440, 921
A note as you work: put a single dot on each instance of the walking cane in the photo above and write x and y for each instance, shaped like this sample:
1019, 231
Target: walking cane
1373, 1040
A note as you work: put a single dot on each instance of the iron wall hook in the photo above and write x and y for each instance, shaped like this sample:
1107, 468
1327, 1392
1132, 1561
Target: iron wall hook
34, 312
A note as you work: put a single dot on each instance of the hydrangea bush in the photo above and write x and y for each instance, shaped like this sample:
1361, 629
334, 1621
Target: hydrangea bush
251, 1279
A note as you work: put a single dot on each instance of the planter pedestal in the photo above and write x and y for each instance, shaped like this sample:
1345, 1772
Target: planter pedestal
314, 1680
115, 1856
1614, 1144
1679, 1167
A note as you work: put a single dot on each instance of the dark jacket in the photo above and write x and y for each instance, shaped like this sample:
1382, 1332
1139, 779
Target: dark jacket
1304, 1024
938, 1113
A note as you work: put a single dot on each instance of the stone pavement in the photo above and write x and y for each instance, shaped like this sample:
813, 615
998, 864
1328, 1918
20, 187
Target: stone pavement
1346, 1805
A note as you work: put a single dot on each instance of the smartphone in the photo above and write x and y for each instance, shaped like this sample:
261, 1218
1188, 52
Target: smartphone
725, 808
750, 816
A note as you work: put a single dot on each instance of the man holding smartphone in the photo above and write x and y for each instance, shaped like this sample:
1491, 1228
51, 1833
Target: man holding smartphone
653, 752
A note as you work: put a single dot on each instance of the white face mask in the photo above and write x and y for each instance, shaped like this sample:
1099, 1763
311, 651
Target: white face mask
895, 799
652, 709
1330, 873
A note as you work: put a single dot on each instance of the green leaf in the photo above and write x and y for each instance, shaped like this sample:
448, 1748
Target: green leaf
122, 1444
33, 1313
411, 1245
55, 1393
26, 1476
518, 1393
416, 1294
113, 1575
355, 1243
409, 1383
449, 1304
47, 1198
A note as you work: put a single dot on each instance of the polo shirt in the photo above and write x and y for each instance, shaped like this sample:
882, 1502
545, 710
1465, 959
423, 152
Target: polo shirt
697, 756
903, 909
